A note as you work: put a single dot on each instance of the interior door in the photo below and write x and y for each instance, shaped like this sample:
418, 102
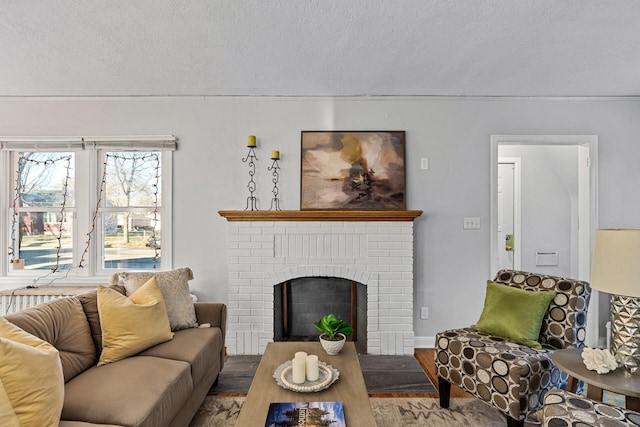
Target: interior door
506, 212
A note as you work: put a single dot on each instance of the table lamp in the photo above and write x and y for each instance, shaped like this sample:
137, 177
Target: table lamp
615, 269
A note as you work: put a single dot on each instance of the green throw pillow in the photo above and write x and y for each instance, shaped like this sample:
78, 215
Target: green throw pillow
513, 313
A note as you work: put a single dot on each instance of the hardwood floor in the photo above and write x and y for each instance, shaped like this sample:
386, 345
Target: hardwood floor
425, 357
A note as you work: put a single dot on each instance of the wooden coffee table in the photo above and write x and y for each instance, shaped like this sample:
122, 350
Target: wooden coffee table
348, 389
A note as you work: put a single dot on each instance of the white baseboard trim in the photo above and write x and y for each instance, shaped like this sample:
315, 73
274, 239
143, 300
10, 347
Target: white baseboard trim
425, 342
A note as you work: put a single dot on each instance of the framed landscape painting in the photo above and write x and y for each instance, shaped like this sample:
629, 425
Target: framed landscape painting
353, 170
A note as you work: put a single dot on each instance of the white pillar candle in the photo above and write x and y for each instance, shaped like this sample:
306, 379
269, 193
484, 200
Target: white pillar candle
298, 367
313, 372
300, 354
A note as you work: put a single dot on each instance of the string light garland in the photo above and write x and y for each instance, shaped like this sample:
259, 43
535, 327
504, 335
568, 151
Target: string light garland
155, 212
94, 216
15, 213
65, 192
23, 160
19, 188
156, 189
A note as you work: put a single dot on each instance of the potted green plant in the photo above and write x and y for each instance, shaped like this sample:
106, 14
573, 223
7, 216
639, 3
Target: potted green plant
332, 333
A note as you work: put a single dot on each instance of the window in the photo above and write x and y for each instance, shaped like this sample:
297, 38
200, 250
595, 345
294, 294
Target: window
42, 210
86, 207
131, 206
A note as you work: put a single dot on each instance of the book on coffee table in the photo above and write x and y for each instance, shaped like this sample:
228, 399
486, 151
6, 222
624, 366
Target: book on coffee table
305, 414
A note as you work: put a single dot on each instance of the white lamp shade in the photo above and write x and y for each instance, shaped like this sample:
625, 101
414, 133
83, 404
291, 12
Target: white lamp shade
615, 264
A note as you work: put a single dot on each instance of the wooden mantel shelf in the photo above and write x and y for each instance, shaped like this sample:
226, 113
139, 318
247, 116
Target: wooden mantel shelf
321, 215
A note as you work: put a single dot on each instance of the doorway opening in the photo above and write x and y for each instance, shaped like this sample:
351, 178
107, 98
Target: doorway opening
543, 207
509, 213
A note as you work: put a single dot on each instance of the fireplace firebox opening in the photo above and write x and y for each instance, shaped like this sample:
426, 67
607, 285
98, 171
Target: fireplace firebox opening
300, 302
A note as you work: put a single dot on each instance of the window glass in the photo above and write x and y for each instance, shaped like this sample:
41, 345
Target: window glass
45, 179
131, 231
44, 205
132, 178
133, 246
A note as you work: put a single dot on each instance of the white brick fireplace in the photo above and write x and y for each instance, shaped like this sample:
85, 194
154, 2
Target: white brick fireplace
374, 248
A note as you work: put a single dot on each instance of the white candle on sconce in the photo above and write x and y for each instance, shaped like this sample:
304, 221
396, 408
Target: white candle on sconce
313, 371
298, 365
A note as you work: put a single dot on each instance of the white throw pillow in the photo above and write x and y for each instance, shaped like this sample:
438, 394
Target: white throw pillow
175, 290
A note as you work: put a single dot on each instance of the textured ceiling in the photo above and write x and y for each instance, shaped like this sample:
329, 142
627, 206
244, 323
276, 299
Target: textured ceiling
320, 47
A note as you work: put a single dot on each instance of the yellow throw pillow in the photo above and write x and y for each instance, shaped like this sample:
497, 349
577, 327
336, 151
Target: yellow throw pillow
130, 325
31, 379
174, 286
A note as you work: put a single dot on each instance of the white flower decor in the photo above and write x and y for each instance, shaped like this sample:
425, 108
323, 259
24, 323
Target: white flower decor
599, 360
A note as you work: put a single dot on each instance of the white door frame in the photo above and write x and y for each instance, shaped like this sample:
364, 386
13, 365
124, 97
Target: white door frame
517, 211
590, 141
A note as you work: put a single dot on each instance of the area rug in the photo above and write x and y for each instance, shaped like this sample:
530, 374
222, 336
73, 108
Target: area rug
222, 411
382, 375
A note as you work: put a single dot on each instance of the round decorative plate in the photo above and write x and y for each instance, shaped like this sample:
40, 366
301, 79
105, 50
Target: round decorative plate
284, 373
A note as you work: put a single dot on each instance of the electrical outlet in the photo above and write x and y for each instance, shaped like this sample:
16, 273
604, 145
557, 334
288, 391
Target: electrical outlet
424, 163
424, 313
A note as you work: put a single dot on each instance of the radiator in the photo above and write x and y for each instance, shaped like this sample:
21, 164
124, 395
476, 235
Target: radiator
20, 298
13, 303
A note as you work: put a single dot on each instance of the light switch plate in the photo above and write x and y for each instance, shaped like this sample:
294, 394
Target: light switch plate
471, 223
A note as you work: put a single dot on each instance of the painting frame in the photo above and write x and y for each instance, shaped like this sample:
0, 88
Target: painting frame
353, 170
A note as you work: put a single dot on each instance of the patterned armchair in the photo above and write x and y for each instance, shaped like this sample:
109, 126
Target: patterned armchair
509, 376
562, 408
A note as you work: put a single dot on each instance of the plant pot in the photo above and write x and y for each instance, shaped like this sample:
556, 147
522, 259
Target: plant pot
333, 347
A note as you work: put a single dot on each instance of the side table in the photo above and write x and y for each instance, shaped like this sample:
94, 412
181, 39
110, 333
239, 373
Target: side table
618, 381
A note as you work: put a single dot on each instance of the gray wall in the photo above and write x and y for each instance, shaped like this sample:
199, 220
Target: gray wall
451, 265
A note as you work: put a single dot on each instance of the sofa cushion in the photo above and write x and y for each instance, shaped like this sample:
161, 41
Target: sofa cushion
31, 379
175, 290
130, 325
89, 302
200, 347
136, 391
63, 324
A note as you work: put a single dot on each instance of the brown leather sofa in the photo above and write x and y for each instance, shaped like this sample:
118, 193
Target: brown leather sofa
161, 386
